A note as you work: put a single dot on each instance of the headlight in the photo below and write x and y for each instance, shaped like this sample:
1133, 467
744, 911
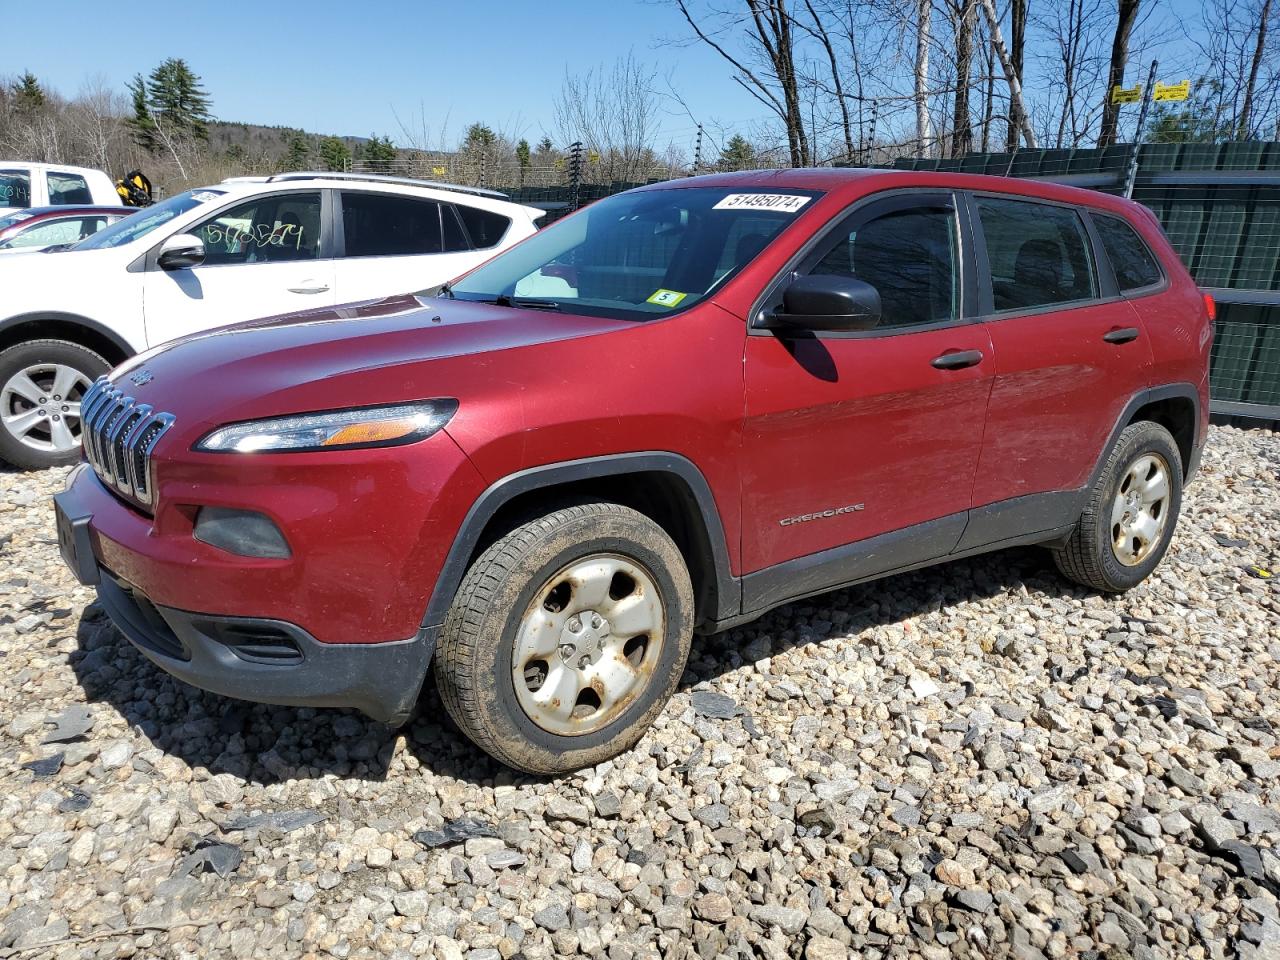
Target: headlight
333, 429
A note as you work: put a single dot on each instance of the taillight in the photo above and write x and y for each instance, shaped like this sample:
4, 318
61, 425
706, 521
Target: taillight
1210, 307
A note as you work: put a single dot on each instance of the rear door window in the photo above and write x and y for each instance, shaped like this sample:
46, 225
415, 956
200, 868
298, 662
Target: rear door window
486, 227
1134, 264
1038, 253
68, 188
384, 225
15, 188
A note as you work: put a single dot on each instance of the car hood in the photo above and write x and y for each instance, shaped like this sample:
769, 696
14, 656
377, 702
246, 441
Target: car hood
381, 351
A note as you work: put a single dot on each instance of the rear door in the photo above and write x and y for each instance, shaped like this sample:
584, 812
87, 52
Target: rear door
1069, 354
263, 256
853, 435
393, 244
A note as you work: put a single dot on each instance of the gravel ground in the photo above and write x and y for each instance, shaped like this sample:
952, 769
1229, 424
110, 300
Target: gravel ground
977, 760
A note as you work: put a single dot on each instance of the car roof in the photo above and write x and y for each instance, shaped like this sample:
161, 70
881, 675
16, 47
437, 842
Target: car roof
404, 186
40, 165
854, 181
71, 209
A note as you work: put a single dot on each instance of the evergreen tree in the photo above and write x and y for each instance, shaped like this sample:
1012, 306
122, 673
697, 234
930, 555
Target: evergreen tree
378, 152
738, 154
299, 153
545, 145
141, 123
170, 101
334, 154
479, 137
27, 93
523, 158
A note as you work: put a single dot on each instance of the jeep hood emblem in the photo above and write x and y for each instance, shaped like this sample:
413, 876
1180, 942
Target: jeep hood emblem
141, 378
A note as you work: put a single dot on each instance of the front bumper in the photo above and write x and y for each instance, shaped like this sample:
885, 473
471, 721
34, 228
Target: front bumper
270, 661
284, 631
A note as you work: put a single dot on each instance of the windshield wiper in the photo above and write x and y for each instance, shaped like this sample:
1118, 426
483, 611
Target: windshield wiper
530, 303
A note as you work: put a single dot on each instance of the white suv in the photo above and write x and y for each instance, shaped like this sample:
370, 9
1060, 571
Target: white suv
249, 247
24, 184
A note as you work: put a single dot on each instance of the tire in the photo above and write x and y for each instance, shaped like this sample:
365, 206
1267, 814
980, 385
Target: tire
1107, 551
553, 583
33, 435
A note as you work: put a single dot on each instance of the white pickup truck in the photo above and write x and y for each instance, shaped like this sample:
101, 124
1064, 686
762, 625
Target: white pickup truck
25, 184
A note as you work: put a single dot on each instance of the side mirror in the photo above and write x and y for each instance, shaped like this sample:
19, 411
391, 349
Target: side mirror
828, 302
180, 251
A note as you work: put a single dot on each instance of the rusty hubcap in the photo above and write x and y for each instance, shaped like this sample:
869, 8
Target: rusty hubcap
588, 644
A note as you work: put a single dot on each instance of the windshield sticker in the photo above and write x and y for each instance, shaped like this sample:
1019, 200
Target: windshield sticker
204, 196
783, 202
667, 298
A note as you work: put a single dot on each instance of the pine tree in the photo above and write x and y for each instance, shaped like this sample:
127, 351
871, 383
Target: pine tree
27, 93
523, 158
334, 154
141, 123
738, 154
299, 153
378, 153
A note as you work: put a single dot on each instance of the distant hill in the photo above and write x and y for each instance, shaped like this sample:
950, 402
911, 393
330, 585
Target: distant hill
256, 140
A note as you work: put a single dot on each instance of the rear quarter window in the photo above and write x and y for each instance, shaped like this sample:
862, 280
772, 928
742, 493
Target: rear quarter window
486, 227
1134, 264
15, 188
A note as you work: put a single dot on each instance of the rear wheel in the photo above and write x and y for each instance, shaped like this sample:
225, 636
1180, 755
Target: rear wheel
41, 385
567, 637
1129, 517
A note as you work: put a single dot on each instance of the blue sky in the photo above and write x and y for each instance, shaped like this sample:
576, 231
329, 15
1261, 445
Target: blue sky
350, 68
344, 67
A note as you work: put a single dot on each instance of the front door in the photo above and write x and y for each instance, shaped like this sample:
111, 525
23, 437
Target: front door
262, 257
854, 436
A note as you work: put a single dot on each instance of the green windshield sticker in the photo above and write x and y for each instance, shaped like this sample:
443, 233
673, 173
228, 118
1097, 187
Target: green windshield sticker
667, 298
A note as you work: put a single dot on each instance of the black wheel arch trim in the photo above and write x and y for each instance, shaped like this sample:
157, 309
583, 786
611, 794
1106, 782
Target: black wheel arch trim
75, 319
546, 476
1168, 391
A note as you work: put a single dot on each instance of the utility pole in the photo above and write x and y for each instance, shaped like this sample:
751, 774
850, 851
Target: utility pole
697, 153
575, 174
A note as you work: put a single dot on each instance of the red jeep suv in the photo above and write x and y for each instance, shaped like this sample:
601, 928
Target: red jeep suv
668, 413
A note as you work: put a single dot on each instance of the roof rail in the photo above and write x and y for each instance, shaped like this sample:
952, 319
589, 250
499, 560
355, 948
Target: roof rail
382, 178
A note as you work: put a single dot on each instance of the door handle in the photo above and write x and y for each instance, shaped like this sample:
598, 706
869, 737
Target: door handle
958, 359
316, 288
1121, 335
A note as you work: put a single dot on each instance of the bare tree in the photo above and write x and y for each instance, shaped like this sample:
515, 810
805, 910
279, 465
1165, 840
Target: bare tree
767, 29
965, 13
614, 113
1013, 64
924, 9
1126, 16
1013, 74
1243, 130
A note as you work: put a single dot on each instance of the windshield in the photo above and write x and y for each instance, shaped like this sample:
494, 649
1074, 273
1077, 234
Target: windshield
144, 221
637, 255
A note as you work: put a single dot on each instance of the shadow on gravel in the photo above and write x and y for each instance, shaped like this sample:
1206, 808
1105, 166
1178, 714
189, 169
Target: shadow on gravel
271, 743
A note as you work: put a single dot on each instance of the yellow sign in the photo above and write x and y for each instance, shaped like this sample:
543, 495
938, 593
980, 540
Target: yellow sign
1121, 94
1172, 91
437, 171
667, 298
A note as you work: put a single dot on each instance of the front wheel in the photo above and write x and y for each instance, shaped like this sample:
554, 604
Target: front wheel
41, 385
1129, 517
567, 637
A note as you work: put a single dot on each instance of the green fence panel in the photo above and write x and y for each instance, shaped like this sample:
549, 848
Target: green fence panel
1259, 264
1241, 156
1231, 366
1264, 381
1220, 248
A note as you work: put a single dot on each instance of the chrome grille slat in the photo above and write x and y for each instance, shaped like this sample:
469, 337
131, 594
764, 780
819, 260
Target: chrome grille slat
119, 434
